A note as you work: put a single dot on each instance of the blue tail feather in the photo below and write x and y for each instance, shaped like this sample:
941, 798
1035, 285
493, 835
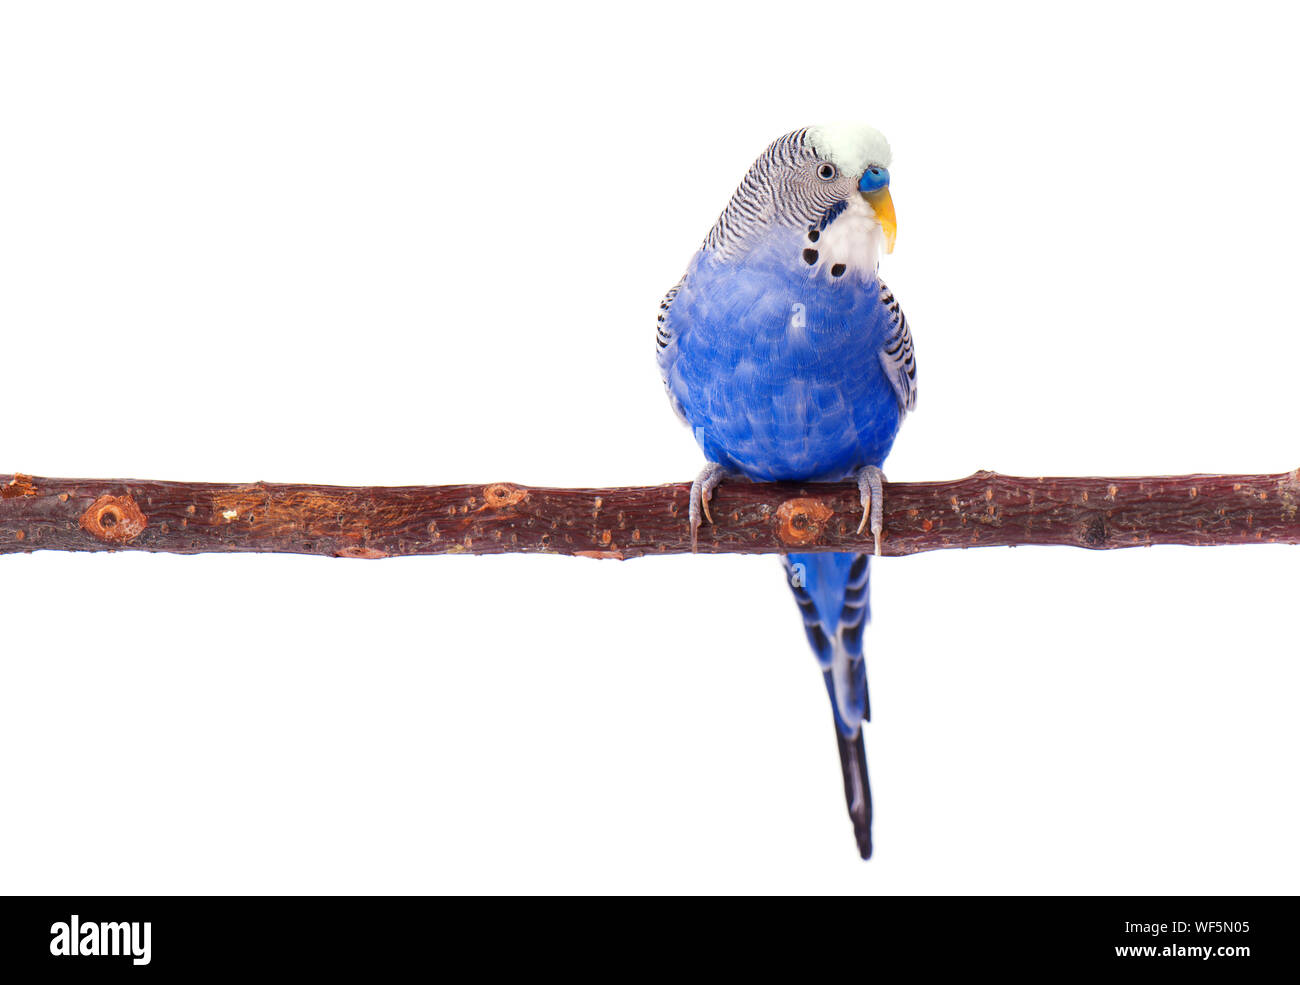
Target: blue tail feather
832, 591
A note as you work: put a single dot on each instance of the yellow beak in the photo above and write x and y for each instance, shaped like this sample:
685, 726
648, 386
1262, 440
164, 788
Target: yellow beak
883, 206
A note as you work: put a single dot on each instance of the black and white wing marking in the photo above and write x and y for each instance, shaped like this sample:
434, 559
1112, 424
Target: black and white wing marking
665, 351
664, 334
897, 356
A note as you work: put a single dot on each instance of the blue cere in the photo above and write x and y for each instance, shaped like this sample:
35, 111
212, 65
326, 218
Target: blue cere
874, 179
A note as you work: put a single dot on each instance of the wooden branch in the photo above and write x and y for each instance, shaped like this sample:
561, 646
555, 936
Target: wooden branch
982, 510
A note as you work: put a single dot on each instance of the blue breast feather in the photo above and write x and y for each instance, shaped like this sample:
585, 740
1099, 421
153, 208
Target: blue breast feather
776, 368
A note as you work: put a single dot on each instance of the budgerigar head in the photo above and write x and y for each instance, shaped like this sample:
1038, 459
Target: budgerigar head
854, 159
807, 179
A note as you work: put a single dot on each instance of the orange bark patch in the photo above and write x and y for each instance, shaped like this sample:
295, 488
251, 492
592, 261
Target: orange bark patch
369, 553
501, 494
19, 485
800, 521
317, 514
114, 519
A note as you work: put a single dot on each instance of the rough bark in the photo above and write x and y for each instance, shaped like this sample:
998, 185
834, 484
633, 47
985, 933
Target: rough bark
982, 510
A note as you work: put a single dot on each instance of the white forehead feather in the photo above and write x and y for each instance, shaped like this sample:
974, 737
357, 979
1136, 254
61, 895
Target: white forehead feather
850, 146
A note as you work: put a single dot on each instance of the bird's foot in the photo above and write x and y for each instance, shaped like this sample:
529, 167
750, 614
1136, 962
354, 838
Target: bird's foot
709, 479
871, 490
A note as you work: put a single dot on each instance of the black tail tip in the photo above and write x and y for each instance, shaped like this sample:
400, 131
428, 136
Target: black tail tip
864, 843
857, 788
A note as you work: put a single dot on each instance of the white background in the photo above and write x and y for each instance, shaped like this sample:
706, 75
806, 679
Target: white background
388, 243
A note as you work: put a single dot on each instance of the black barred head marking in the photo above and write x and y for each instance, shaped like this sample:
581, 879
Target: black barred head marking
786, 187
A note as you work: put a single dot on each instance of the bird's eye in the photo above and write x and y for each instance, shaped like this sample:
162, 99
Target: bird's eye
827, 172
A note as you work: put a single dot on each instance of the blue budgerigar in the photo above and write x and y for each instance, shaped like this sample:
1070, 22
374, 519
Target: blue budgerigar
790, 359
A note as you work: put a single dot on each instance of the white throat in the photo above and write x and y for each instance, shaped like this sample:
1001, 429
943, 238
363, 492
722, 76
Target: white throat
849, 248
